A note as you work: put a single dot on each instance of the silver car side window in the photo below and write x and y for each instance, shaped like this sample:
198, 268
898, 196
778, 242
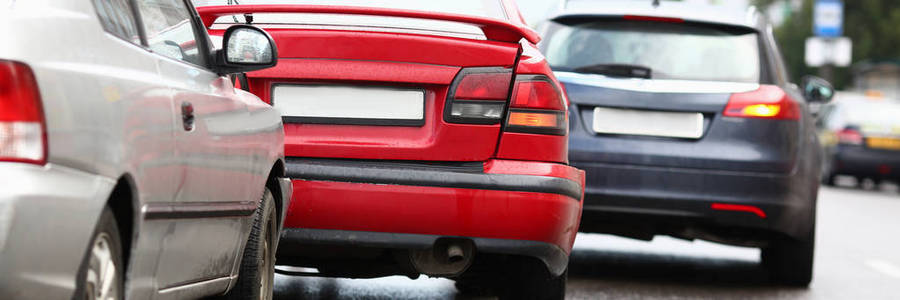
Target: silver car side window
169, 30
117, 19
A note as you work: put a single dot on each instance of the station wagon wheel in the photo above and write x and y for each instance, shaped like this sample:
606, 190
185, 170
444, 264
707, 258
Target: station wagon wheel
101, 276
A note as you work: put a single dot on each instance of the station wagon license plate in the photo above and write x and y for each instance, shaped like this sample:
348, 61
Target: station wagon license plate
648, 123
350, 105
883, 143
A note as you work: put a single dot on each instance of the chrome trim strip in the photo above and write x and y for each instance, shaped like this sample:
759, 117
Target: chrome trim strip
178, 210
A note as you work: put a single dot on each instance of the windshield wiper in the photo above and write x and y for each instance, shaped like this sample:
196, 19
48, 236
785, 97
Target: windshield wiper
617, 70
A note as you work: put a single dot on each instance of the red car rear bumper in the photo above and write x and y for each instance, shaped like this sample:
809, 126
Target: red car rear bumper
500, 205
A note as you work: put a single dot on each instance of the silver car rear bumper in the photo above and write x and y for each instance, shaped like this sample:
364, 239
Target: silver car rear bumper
47, 216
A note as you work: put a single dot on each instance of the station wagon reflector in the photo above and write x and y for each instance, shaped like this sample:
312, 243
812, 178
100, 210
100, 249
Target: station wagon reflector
740, 208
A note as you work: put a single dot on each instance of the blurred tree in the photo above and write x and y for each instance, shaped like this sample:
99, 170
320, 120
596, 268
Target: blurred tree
873, 25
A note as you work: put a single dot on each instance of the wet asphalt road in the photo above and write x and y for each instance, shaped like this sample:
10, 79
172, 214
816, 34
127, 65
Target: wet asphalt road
858, 257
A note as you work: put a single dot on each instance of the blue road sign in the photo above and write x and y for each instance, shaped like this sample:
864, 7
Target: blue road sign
828, 18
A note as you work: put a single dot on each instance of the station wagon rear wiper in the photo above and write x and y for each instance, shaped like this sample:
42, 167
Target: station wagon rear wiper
617, 70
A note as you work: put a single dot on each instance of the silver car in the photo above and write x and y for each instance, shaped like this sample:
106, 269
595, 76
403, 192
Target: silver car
130, 166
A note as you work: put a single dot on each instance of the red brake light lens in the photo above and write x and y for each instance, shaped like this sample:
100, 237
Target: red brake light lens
484, 86
537, 107
850, 136
22, 137
537, 95
653, 19
767, 102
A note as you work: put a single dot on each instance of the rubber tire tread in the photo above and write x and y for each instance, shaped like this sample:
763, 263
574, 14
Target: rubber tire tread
529, 279
248, 282
790, 261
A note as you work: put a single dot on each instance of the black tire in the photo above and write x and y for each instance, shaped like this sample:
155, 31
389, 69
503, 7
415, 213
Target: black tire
790, 262
829, 179
257, 273
475, 285
530, 280
106, 237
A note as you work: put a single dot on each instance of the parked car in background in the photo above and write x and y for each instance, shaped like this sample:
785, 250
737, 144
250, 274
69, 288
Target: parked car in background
423, 137
860, 138
130, 166
687, 125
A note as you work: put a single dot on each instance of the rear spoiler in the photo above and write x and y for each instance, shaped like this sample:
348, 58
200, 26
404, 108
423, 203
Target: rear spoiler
494, 29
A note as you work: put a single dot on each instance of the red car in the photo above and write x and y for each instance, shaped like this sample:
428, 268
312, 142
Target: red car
426, 138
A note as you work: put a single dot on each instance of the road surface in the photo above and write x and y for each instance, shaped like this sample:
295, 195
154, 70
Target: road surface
858, 257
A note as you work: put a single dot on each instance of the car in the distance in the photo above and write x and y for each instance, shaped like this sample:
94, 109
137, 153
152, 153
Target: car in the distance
686, 124
422, 137
860, 138
130, 167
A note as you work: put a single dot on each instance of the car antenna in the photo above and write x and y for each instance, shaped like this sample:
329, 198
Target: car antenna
233, 2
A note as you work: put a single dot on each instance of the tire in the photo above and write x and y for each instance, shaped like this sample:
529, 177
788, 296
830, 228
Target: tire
829, 179
530, 280
257, 273
475, 285
790, 262
828, 176
102, 269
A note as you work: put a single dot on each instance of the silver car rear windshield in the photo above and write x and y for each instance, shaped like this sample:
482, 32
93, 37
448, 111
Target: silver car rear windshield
480, 8
669, 50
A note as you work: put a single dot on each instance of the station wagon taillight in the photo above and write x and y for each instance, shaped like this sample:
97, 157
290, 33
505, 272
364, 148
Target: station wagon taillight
22, 135
537, 106
767, 102
850, 136
478, 96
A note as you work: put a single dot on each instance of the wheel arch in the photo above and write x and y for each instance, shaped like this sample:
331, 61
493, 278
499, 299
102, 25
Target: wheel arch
276, 172
123, 203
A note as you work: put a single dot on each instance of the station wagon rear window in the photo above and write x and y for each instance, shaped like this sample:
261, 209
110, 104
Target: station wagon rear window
669, 50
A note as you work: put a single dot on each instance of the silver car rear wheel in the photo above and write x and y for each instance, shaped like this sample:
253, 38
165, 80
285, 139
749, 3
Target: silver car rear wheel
101, 276
101, 279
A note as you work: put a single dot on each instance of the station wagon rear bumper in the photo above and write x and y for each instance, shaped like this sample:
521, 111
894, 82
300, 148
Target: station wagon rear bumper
671, 200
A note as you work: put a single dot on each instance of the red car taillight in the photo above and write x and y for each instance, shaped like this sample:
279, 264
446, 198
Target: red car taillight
537, 106
22, 135
767, 102
478, 96
850, 136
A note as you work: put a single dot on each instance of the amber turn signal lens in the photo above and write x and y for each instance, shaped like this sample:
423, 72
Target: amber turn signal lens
762, 110
533, 119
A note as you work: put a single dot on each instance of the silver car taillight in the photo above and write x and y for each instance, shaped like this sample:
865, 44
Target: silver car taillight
22, 129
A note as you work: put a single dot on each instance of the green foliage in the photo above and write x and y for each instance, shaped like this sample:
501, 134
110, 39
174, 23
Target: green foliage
873, 25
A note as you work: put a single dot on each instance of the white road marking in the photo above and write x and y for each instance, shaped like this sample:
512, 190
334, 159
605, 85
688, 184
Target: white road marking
884, 267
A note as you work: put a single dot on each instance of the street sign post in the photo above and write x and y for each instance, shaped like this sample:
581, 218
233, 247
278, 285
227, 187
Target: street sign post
829, 51
828, 48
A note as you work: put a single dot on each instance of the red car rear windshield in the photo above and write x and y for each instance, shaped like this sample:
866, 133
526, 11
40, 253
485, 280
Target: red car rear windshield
481, 8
